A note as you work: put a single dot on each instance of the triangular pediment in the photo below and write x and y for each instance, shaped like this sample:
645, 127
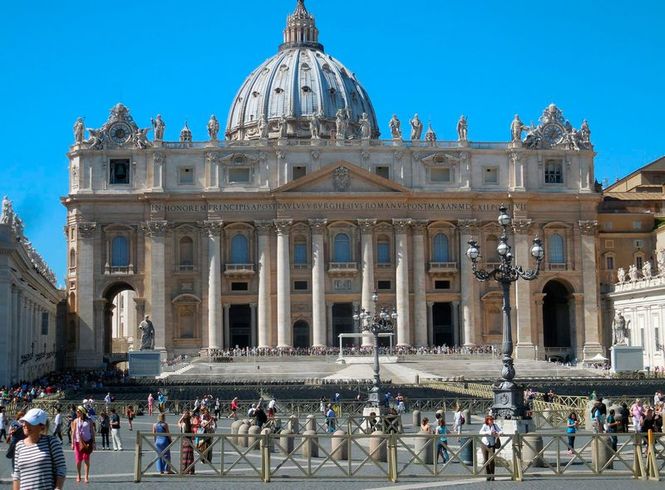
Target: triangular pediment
342, 177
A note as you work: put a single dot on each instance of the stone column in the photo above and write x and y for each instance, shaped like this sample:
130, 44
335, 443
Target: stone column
402, 281
367, 261
524, 348
215, 337
419, 283
590, 287
455, 317
85, 286
156, 230
430, 322
469, 286
318, 227
264, 229
283, 284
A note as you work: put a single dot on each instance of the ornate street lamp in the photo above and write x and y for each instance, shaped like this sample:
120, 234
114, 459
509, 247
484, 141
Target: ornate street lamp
376, 322
508, 398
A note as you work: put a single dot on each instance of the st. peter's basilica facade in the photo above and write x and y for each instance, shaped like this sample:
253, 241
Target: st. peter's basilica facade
274, 232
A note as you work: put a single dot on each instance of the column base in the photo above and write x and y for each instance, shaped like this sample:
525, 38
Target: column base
525, 351
592, 349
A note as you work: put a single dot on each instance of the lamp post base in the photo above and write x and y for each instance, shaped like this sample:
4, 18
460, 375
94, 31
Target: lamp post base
508, 400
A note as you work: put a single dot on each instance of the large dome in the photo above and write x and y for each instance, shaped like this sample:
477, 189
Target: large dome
299, 91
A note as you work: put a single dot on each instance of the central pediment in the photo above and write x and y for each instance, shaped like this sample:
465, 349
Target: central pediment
342, 177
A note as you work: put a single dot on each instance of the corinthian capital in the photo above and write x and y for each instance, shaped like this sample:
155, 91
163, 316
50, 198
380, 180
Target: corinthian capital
155, 228
521, 226
213, 227
318, 226
402, 225
87, 229
467, 226
283, 226
588, 227
263, 227
420, 226
366, 225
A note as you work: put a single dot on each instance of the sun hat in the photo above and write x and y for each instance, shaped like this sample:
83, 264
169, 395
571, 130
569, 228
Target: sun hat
82, 409
35, 416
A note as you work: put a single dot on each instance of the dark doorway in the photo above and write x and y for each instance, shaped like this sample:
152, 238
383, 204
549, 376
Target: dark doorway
556, 315
301, 334
240, 326
342, 319
442, 324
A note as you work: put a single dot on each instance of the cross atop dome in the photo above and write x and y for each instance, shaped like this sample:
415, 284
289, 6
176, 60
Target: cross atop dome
301, 29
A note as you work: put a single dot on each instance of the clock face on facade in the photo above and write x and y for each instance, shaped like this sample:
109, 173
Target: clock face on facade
553, 134
120, 133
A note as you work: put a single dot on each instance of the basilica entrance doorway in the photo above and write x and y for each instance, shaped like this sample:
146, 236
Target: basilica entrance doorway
557, 324
301, 335
240, 326
342, 322
442, 325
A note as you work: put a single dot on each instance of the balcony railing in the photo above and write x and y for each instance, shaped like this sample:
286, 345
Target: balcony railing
238, 270
343, 268
442, 267
301, 266
185, 268
384, 265
120, 270
557, 266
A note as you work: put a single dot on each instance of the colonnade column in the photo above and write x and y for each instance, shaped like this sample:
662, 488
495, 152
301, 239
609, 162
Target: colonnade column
215, 336
590, 287
367, 262
318, 227
419, 286
264, 229
523, 304
156, 230
402, 281
85, 286
469, 287
283, 228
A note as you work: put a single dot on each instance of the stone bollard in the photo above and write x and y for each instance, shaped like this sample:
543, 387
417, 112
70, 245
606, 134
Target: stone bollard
310, 447
243, 430
286, 441
270, 440
532, 444
310, 423
253, 437
601, 452
234, 430
293, 425
424, 447
416, 419
339, 446
378, 446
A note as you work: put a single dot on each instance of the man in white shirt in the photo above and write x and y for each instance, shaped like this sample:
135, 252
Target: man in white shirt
3, 424
57, 424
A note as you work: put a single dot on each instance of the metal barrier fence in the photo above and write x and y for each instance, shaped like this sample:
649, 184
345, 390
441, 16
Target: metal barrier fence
266, 456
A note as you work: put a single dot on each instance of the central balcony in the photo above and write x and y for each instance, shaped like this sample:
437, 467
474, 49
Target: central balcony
342, 269
239, 270
442, 268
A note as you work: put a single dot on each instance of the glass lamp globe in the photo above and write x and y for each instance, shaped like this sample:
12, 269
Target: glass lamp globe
537, 250
504, 219
502, 249
473, 252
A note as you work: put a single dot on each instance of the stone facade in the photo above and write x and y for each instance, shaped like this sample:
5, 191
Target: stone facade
30, 342
274, 238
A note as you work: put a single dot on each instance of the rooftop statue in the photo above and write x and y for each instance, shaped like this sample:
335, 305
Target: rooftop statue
365, 127
213, 128
621, 275
79, 131
283, 127
315, 126
585, 132
141, 138
516, 128
633, 273
554, 131
647, 269
395, 130
416, 128
263, 127
158, 125
462, 128
341, 123
147, 334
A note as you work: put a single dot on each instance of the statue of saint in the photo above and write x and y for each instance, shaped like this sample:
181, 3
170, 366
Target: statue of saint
632, 273
647, 269
158, 127
416, 128
213, 128
462, 127
621, 275
147, 334
140, 138
365, 128
263, 127
315, 126
395, 130
516, 128
79, 131
619, 330
283, 127
341, 124
585, 132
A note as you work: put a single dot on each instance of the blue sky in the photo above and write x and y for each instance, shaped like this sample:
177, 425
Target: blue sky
602, 61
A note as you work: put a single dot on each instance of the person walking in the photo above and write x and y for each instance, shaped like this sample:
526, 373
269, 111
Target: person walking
331, 419
234, 409
162, 441
637, 413
115, 430
40, 461
57, 423
3, 424
151, 403
489, 442
612, 428
186, 445
458, 419
442, 442
571, 428
129, 413
83, 441
105, 430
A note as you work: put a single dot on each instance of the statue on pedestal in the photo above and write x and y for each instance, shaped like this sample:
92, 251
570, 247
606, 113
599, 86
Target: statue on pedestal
621, 275
585, 132
632, 273
620, 330
158, 126
365, 128
462, 128
315, 126
213, 128
79, 131
647, 269
263, 127
147, 334
341, 123
395, 130
516, 128
416, 128
283, 127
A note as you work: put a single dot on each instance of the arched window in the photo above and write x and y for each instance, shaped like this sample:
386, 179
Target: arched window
383, 251
119, 252
555, 249
440, 248
186, 252
239, 250
72, 258
300, 251
342, 248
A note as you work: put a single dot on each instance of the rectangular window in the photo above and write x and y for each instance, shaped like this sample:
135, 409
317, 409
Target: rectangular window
383, 285
186, 176
382, 171
300, 285
491, 175
119, 171
439, 175
300, 253
383, 253
239, 175
441, 284
239, 286
299, 171
44, 323
609, 263
554, 172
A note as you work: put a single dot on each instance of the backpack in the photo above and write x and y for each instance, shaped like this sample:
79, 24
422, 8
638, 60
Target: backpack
462, 420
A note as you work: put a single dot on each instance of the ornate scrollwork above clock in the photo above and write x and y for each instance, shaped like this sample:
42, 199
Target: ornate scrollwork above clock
556, 132
119, 131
